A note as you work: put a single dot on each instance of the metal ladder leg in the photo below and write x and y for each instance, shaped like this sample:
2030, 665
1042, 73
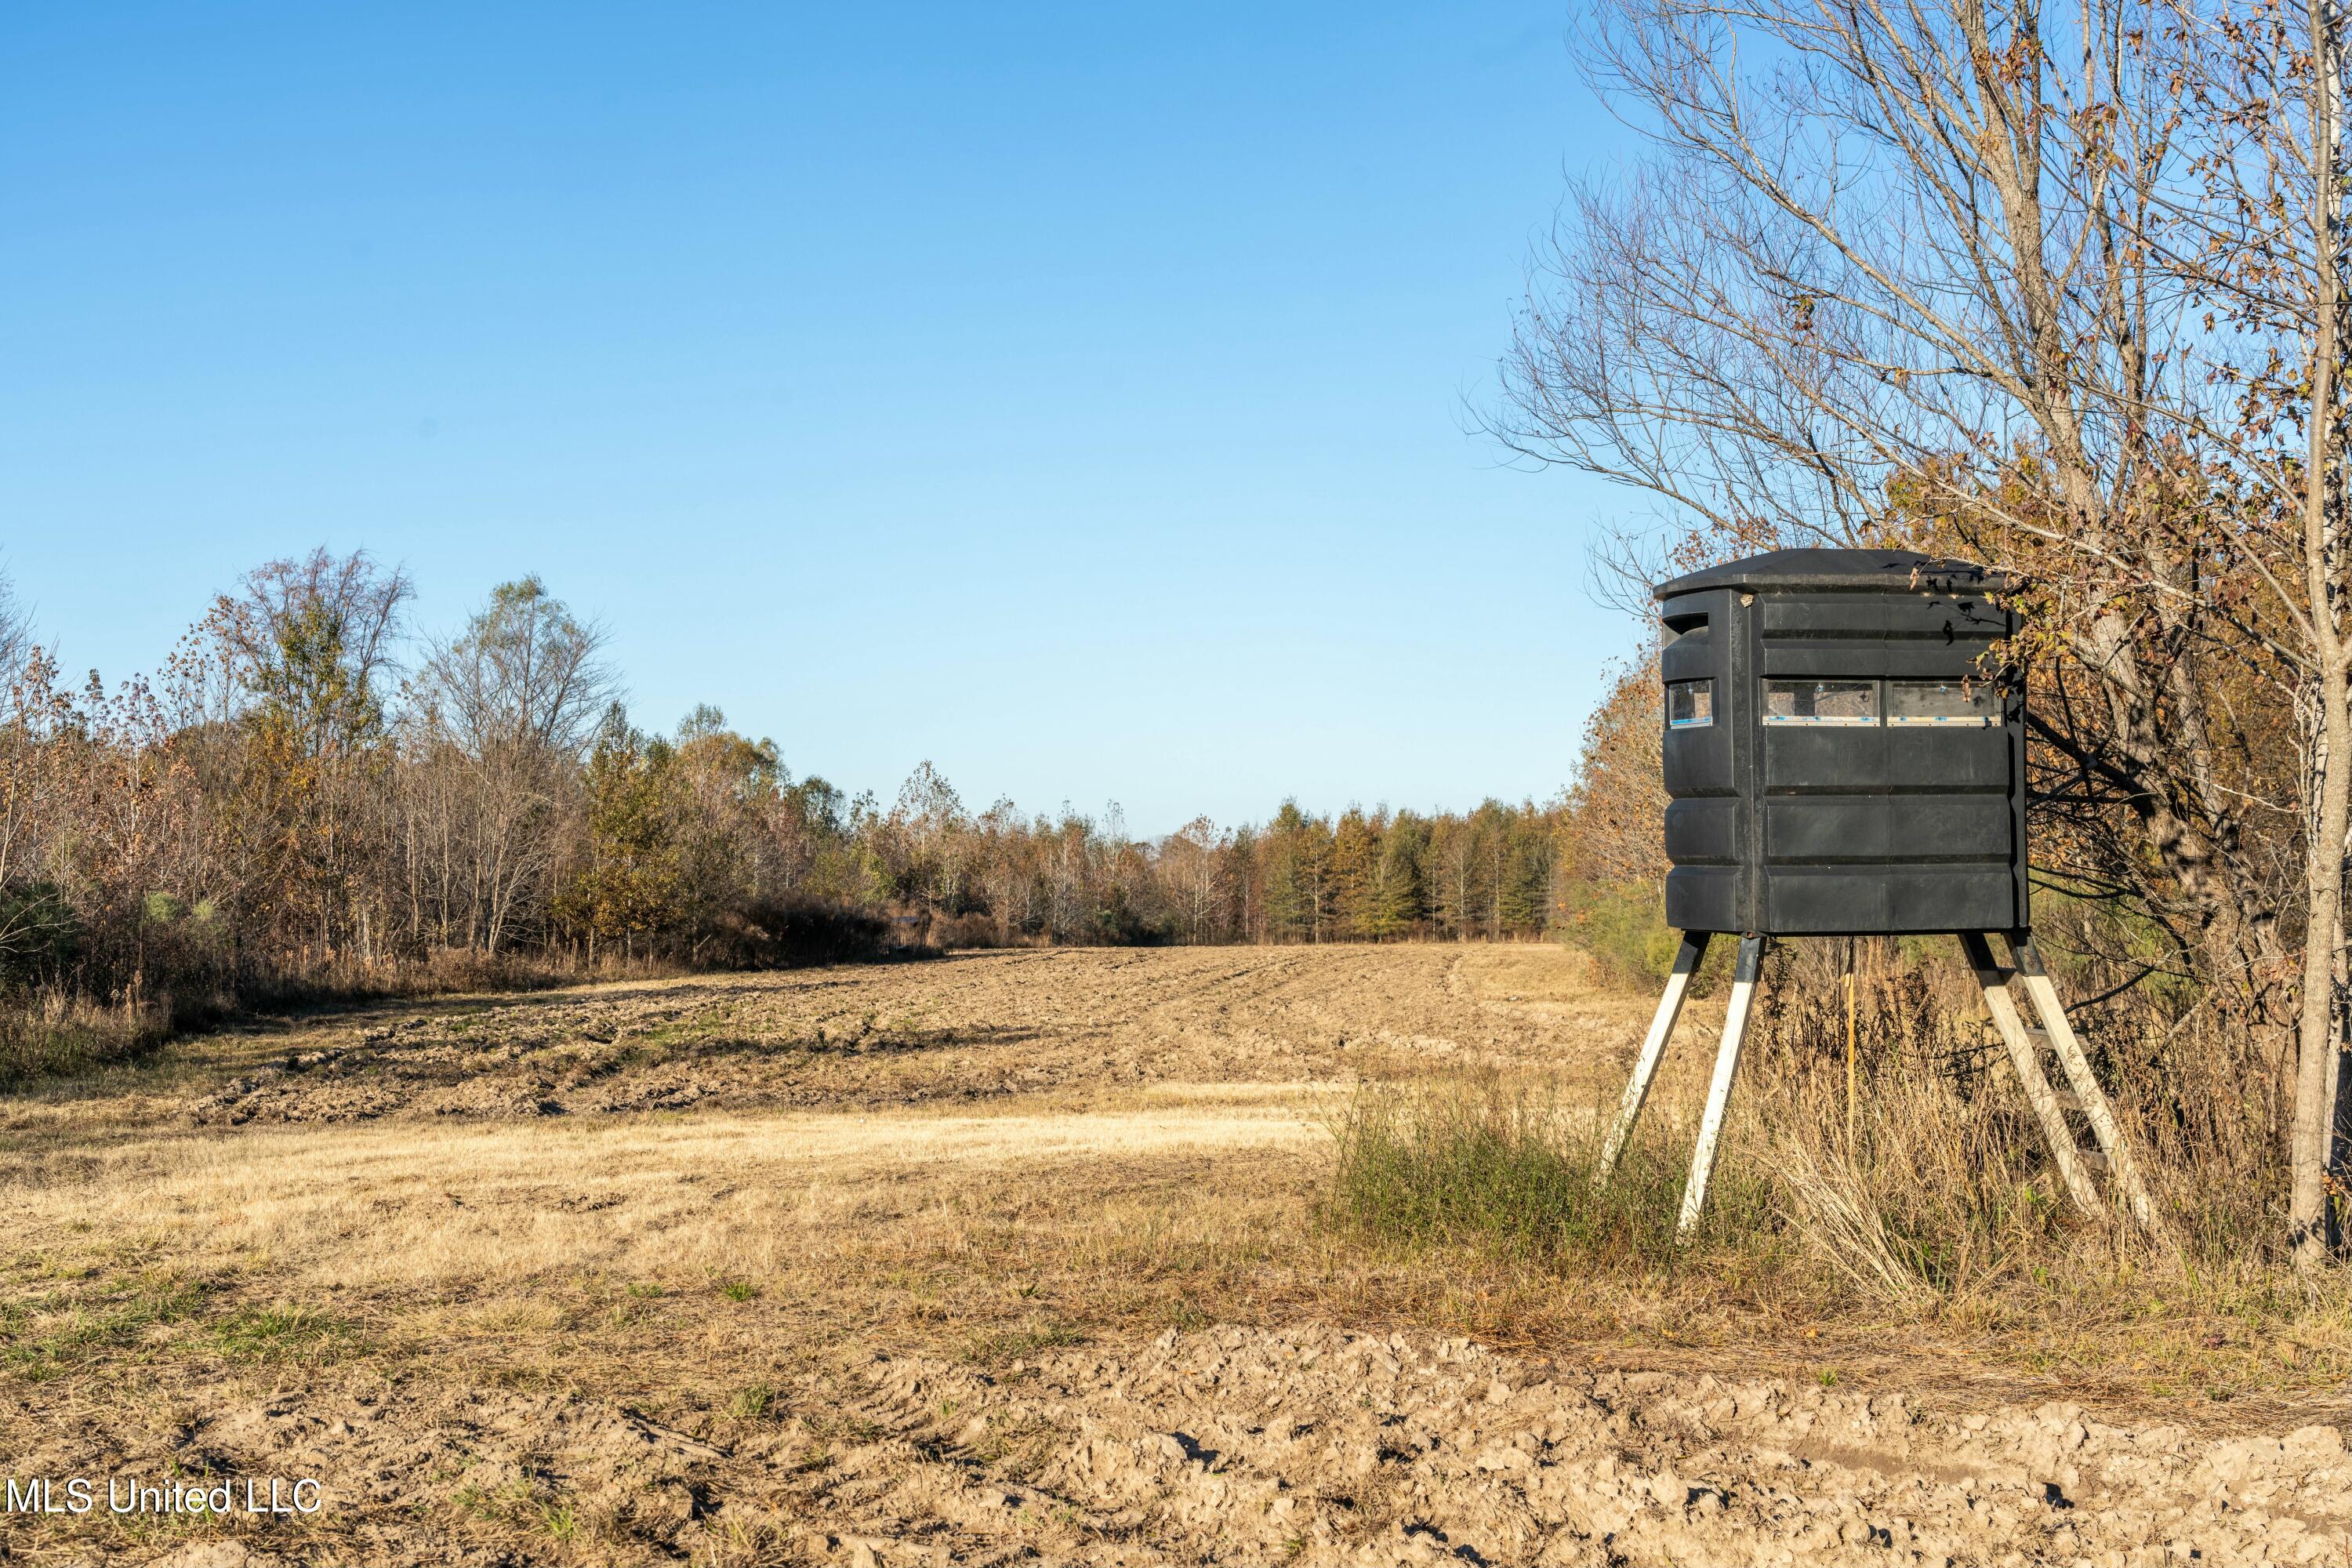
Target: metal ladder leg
2027, 1061
2087, 1093
1719, 1090
1653, 1048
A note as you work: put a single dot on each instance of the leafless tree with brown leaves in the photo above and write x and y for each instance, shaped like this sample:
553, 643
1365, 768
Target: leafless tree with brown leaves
1916, 274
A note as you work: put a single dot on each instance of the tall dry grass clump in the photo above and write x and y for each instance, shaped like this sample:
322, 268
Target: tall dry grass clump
51, 1032
1897, 1165
1935, 1108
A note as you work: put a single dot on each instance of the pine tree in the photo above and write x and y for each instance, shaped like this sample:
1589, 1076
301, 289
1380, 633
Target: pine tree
1297, 866
1398, 900
631, 885
1355, 865
1524, 895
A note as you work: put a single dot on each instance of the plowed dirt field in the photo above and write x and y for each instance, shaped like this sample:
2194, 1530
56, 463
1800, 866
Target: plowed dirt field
1007, 1258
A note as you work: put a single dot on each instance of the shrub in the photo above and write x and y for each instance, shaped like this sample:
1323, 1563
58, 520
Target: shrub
1623, 926
38, 935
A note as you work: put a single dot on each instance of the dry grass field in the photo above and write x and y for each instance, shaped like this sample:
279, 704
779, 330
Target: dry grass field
1024, 1257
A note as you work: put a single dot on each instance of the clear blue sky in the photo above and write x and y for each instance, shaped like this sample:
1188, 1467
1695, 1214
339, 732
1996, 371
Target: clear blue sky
1069, 396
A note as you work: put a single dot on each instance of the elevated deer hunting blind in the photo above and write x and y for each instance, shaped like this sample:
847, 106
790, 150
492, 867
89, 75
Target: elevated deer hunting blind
1844, 755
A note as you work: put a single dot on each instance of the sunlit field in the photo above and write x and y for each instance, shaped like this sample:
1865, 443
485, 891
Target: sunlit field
1084, 1255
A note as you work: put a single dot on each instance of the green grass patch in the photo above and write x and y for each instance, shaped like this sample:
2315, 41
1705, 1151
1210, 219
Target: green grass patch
53, 1335
278, 1334
521, 1504
1510, 1171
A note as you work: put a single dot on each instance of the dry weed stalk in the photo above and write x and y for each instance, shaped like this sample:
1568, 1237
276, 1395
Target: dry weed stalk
1836, 1207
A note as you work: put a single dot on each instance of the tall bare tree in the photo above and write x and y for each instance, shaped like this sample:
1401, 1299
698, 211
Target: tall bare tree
502, 713
2259, 236
15, 629
1931, 274
315, 644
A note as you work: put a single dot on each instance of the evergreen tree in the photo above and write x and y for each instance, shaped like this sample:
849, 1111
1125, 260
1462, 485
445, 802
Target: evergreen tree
1524, 894
1398, 901
1296, 855
630, 886
1355, 865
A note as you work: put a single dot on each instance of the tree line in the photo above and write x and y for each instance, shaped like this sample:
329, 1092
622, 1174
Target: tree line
311, 796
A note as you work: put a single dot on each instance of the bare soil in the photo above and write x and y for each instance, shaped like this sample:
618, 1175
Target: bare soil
967, 1028
1004, 1257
